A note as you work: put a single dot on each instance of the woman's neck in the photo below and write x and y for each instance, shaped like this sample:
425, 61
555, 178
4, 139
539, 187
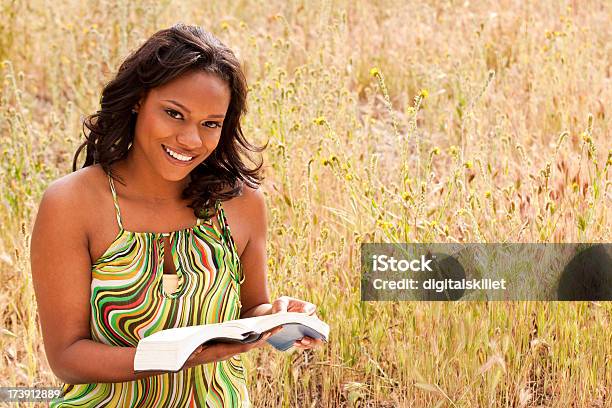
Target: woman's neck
145, 184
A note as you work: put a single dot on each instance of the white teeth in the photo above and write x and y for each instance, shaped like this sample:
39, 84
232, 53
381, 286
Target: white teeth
177, 156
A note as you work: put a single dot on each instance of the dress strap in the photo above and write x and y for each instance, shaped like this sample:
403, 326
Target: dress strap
230, 240
118, 212
206, 215
225, 229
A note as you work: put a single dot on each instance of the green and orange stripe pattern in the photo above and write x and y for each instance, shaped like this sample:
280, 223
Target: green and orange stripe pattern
128, 303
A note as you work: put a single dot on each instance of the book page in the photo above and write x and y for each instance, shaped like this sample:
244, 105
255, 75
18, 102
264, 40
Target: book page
267, 322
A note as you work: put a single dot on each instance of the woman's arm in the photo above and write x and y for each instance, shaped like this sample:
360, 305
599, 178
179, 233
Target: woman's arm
61, 273
254, 292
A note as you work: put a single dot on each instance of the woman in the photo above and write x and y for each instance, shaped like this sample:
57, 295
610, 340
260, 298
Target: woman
115, 253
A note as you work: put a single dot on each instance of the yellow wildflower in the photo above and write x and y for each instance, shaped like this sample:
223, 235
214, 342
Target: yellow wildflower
319, 121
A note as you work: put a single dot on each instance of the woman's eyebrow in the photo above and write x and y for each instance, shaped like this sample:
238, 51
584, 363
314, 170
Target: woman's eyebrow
188, 111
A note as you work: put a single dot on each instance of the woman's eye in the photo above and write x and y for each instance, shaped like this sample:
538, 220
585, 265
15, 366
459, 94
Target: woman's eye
172, 113
212, 125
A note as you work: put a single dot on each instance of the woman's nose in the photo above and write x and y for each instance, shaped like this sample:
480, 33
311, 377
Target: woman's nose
190, 138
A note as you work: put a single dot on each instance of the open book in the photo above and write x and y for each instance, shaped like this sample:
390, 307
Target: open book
169, 349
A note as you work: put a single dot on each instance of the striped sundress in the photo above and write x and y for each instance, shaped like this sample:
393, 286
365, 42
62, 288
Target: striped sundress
128, 302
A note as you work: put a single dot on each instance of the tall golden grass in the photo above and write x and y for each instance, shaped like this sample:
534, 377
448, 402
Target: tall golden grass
388, 121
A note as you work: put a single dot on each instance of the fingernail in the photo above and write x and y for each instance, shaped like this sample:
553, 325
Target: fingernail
305, 341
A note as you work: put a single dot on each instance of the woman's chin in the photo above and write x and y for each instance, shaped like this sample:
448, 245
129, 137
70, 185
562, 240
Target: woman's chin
174, 176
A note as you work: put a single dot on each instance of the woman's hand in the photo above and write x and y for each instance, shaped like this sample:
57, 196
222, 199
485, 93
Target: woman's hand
217, 351
289, 304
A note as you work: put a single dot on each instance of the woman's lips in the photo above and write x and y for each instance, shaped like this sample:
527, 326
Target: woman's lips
174, 161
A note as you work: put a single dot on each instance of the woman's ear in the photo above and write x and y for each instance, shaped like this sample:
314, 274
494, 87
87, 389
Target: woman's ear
139, 103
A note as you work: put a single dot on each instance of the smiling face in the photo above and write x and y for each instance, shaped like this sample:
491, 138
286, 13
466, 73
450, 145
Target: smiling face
179, 123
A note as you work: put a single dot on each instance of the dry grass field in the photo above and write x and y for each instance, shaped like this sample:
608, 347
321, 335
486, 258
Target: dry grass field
387, 121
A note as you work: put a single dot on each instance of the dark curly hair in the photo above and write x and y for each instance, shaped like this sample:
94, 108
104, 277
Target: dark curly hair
165, 56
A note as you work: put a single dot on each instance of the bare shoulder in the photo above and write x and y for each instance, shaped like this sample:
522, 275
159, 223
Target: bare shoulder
246, 215
252, 198
73, 194
251, 204
75, 187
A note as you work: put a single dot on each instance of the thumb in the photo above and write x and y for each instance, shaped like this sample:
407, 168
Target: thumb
309, 308
198, 350
280, 304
